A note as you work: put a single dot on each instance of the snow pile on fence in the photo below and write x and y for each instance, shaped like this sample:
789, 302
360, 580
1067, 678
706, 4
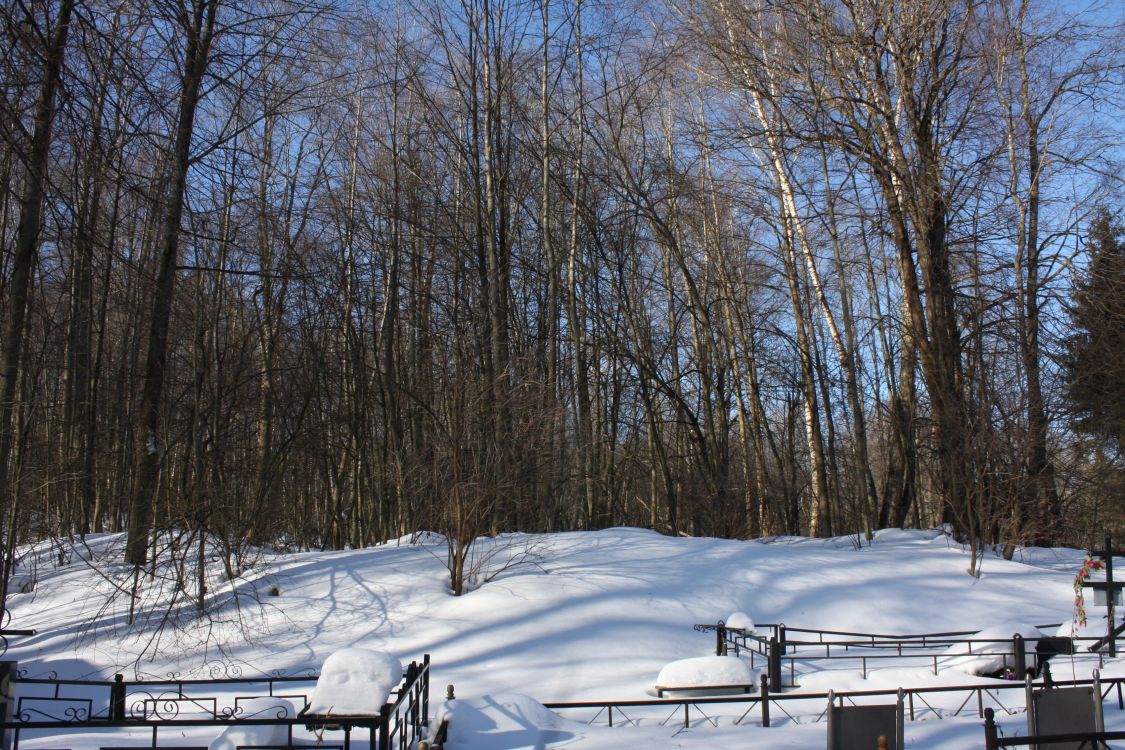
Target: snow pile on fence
990, 651
355, 682
740, 621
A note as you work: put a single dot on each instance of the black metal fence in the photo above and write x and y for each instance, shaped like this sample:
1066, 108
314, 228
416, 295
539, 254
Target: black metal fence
49, 698
777, 645
7, 631
768, 707
188, 713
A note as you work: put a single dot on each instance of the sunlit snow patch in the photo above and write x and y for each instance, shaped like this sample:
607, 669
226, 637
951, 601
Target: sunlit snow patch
354, 682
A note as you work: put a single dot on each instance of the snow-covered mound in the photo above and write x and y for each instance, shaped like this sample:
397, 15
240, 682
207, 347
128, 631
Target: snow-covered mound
355, 682
704, 675
991, 650
509, 720
235, 737
265, 735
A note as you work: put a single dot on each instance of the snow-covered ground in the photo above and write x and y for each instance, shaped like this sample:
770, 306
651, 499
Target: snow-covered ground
583, 616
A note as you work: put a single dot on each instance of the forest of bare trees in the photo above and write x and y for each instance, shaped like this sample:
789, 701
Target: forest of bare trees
314, 273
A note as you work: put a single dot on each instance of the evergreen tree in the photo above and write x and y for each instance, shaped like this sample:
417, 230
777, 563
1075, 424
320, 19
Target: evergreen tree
1095, 361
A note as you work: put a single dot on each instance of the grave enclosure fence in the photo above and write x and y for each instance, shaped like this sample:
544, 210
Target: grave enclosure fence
778, 646
918, 703
179, 714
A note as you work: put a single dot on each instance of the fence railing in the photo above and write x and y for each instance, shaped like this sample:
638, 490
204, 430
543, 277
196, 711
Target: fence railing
919, 703
170, 713
7, 631
53, 699
775, 644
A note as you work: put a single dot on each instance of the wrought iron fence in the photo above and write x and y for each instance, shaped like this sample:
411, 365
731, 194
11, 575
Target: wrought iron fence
7, 631
775, 644
919, 703
169, 713
51, 699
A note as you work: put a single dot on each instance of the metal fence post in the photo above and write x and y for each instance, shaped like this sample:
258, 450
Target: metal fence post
117, 698
384, 727
990, 730
426, 689
413, 709
830, 714
720, 639
774, 665
765, 701
1020, 655
900, 720
781, 636
1110, 596
1099, 716
8, 671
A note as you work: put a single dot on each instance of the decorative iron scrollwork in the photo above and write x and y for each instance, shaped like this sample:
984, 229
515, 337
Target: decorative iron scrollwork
76, 714
138, 709
278, 711
307, 673
66, 710
146, 705
223, 670
22, 673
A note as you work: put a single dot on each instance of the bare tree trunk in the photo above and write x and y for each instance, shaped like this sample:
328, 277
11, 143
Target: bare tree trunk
1031, 95
820, 519
576, 313
23, 264
200, 34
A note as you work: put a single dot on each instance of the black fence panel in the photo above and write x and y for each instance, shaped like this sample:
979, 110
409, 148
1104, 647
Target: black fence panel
782, 648
176, 714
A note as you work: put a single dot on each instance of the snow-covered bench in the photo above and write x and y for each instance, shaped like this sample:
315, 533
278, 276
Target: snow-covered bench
706, 675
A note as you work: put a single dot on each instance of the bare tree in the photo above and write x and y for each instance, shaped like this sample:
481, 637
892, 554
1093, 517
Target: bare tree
54, 32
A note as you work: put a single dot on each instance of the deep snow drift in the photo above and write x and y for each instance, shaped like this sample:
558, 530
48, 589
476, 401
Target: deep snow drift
583, 616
